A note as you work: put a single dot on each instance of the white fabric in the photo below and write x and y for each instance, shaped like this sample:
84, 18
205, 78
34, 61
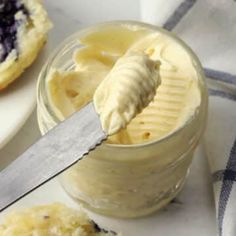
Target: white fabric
151, 9
209, 27
219, 141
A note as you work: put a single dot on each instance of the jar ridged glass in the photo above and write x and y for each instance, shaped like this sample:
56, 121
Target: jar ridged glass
127, 180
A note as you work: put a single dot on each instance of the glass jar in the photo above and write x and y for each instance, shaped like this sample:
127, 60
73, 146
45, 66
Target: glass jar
127, 180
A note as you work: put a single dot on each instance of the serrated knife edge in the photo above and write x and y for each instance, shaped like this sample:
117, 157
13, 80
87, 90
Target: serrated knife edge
60, 148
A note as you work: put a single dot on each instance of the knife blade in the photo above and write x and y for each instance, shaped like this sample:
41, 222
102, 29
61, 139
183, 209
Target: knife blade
59, 149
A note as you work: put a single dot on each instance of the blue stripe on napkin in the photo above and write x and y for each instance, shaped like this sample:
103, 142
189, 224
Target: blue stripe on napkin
220, 93
178, 14
220, 76
227, 185
219, 175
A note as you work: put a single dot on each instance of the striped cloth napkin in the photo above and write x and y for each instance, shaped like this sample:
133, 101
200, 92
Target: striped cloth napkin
209, 27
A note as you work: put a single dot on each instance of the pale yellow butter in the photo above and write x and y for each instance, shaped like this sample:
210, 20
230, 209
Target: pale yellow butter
175, 100
126, 90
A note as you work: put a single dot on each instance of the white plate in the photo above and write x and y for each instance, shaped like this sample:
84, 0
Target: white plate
192, 214
18, 100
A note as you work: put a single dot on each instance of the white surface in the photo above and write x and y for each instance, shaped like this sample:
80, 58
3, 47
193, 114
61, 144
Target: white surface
194, 213
219, 142
18, 100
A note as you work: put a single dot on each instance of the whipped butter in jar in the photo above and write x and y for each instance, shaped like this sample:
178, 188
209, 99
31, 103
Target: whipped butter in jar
142, 167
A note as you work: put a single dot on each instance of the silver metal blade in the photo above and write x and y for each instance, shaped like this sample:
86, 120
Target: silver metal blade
54, 152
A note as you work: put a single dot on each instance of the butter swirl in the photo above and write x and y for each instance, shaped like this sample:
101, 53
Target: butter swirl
128, 88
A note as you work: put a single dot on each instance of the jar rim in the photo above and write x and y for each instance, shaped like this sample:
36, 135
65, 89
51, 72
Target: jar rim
41, 84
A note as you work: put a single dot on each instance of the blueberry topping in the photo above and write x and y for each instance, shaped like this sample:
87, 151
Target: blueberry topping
8, 25
96, 227
99, 230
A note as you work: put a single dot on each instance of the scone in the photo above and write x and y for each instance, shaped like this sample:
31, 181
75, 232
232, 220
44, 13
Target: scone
23, 30
51, 220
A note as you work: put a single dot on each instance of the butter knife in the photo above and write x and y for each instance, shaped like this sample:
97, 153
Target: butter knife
59, 149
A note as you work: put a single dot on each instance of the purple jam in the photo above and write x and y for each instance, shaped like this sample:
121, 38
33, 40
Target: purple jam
99, 230
8, 25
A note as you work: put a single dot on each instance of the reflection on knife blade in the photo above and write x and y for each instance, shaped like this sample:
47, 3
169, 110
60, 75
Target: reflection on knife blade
54, 152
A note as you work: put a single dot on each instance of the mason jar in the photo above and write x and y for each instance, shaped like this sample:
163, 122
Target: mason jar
126, 180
